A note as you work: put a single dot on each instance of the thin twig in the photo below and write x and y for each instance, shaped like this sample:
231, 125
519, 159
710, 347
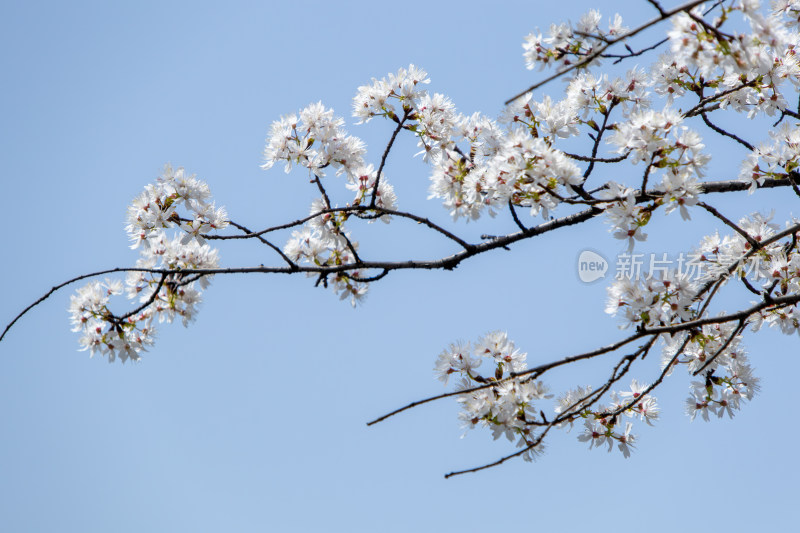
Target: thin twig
385, 155
754, 243
656, 5
594, 55
793, 177
55, 288
517, 221
722, 348
721, 131
699, 108
617, 159
248, 232
598, 137
502, 460
631, 53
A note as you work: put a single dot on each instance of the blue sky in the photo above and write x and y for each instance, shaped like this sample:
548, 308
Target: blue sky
253, 418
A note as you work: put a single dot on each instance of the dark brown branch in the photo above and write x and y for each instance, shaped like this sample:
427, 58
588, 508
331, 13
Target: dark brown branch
55, 288
721, 131
385, 155
647, 173
656, 5
749, 287
598, 159
720, 35
322, 191
447, 263
596, 144
371, 278
361, 211
793, 177
381, 211
336, 229
791, 113
517, 221
754, 243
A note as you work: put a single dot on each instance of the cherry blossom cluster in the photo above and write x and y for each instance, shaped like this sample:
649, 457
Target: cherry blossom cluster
566, 44
790, 9
476, 164
504, 400
157, 208
586, 94
707, 348
603, 425
679, 190
779, 159
734, 253
380, 97
713, 352
506, 404
524, 171
99, 331
324, 241
479, 166
779, 274
315, 139
746, 70
626, 217
653, 301
161, 296
364, 186
179, 294
645, 135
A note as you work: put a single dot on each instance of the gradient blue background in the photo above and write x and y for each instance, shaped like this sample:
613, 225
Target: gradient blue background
253, 418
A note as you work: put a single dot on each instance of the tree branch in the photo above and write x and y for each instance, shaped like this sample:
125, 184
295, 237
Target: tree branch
719, 130
446, 263
385, 155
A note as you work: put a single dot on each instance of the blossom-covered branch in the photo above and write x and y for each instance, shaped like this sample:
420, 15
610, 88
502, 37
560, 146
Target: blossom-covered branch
545, 164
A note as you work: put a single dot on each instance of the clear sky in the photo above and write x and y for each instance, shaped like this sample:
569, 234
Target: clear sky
253, 418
